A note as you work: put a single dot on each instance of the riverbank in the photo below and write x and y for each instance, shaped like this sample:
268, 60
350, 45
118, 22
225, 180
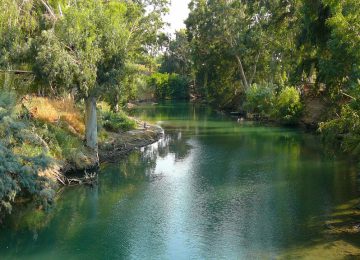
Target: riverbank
112, 149
46, 148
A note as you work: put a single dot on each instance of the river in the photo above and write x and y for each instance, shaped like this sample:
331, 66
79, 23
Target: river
212, 188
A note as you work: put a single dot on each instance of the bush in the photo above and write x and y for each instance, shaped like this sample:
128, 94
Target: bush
344, 130
23, 154
159, 82
116, 122
260, 99
287, 106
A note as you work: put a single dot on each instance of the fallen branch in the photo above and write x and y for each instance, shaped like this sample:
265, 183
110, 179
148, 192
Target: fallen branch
17, 71
347, 95
88, 179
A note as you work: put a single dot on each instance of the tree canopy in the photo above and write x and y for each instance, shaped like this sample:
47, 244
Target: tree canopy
237, 43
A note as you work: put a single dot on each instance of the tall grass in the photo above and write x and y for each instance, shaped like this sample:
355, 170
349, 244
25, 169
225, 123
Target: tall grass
56, 110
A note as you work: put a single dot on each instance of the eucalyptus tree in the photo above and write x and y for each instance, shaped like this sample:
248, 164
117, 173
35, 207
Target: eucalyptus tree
83, 50
237, 42
18, 26
144, 41
329, 44
233, 28
79, 45
340, 68
88, 46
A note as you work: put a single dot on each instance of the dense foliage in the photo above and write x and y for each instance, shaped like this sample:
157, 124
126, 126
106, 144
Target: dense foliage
237, 43
23, 155
288, 106
177, 58
345, 128
266, 102
169, 86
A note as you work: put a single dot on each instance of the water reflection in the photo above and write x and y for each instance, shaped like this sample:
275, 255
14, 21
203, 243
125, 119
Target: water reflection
211, 188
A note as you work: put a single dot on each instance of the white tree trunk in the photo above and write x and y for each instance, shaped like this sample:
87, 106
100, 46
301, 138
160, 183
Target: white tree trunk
242, 72
91, 123
255, 67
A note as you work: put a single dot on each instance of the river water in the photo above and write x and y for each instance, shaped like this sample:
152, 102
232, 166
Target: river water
212, 188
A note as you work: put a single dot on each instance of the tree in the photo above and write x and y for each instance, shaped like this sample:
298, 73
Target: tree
237, 43
329, 44
84, 45
177, 57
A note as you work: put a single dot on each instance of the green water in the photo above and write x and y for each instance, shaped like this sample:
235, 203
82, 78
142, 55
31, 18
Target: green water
212, 188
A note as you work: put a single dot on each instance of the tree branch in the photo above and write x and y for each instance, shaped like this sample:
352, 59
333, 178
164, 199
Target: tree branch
48, 8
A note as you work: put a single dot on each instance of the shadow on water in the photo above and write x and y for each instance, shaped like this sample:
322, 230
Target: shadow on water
211, 188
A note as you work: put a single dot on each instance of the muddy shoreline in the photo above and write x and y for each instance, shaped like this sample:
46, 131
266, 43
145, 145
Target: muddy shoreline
119, 145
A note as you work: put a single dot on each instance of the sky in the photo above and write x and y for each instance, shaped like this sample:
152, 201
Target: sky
178, 13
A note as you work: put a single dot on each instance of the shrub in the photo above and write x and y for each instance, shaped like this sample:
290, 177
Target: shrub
287, 106
116, 122
21, 158
344, 130
260, 99
159, 82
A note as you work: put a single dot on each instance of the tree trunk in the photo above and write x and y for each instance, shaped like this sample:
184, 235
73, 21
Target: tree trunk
91, 123
6, 81
116, 103
242, 72
206, 84
255, 67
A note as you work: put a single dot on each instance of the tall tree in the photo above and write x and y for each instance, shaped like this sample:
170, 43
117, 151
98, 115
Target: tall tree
237, 41
177, 57
82, 45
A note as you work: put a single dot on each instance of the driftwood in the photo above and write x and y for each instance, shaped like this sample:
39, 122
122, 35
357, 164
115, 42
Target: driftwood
88, 179
60, 178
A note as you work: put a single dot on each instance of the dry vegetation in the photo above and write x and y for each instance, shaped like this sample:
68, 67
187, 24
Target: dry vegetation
56, 111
